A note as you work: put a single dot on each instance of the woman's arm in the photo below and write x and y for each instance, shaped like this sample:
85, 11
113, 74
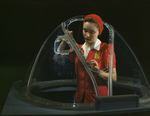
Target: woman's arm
103, 75
61, 47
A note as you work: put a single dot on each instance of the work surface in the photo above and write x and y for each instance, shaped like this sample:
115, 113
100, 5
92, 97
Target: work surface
15, 106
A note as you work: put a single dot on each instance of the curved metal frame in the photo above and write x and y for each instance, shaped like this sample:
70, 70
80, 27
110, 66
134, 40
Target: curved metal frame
42, 102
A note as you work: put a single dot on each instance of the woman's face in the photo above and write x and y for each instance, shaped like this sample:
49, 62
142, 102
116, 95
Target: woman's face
90, 32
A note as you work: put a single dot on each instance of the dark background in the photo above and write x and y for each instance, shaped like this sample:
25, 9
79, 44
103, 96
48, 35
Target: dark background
24, 25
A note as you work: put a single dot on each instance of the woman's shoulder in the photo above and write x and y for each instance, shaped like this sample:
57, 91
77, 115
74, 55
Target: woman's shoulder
104, 46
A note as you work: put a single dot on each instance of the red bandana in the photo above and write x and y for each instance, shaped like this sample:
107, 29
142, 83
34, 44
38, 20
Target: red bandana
98, 20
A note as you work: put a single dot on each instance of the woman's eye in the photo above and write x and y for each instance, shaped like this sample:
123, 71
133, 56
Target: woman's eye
85, 30
92, 32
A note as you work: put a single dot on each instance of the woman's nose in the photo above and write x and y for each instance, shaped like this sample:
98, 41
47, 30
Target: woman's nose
87, 34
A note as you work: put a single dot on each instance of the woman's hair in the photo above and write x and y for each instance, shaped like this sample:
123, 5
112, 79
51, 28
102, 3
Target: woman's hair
91, 20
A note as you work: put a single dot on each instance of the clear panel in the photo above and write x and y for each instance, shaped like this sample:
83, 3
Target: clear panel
45, 68
128, 66
53, 83
48, 76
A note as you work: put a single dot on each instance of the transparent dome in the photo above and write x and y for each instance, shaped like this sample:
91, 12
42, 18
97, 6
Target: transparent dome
52, 83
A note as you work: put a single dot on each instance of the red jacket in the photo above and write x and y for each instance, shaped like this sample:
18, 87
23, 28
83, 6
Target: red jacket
85, 92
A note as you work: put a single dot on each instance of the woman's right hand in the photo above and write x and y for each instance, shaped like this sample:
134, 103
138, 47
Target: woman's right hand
71, 32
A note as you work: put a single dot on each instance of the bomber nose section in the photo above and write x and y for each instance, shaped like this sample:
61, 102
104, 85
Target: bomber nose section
50, 84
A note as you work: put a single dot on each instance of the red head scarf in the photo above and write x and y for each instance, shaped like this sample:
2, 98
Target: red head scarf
98, 20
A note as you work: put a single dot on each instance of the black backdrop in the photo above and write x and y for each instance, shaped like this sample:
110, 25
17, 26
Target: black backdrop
24, 26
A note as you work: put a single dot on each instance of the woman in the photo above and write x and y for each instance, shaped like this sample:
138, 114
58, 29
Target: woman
96, 53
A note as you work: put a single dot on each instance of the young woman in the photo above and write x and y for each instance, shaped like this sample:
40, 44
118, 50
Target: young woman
96, 53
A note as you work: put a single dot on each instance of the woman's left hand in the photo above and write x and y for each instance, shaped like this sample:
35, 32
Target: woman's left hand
102, 74
94, 64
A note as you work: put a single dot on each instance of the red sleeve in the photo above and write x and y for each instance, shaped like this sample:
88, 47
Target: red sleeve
114, 60
107, 59
72, 56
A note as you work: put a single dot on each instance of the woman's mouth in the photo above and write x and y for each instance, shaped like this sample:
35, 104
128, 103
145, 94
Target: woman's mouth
87, 39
